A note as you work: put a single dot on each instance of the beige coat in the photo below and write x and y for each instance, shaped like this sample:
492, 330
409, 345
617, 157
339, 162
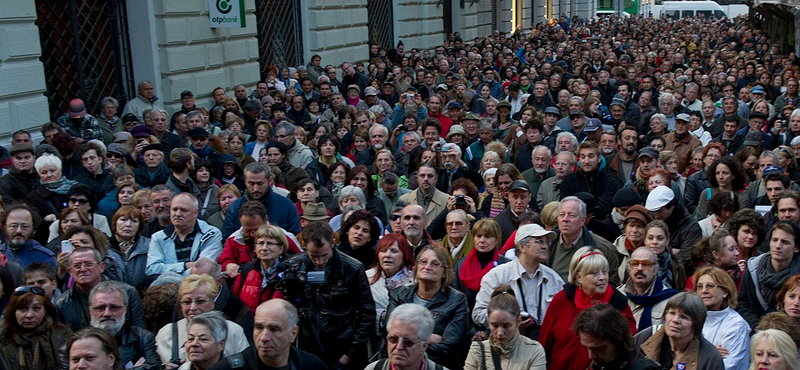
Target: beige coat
437, 205
525, 354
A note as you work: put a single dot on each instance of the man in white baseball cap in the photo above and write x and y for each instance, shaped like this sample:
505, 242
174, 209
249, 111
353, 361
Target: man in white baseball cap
534, 284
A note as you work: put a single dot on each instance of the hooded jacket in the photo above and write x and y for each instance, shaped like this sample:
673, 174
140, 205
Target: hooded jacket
238, 173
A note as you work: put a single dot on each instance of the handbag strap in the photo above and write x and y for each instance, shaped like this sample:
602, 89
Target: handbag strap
495, 359
483, 355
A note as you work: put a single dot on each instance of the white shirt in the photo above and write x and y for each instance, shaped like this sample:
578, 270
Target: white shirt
703, 135
728, 329
539, 289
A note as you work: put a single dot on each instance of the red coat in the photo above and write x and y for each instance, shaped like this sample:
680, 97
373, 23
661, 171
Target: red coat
236, 251
562, 346
248, 286
444, 121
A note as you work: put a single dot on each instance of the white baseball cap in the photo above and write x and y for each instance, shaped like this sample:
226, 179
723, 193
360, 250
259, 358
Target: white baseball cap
533, 230
658, 198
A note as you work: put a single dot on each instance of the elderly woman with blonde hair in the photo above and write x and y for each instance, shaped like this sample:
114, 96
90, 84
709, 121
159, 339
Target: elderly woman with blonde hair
196, 295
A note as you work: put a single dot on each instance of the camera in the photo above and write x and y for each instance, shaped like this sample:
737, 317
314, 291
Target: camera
297, 281
461, 200
410, 96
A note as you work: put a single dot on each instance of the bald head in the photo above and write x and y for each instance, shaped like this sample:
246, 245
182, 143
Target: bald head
274, 331
413, 221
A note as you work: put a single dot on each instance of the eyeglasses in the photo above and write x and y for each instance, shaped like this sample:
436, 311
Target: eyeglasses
407, 343
28, 289
709, 287
433, 263
110, 307
199, 302
79, 265
79, 200
394, 217
646, 265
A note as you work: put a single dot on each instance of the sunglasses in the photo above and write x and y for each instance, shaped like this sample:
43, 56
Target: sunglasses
394, 217
114, 155
407, 343
78, 200
28, 289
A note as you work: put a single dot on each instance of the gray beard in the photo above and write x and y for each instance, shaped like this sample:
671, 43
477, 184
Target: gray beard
114, 328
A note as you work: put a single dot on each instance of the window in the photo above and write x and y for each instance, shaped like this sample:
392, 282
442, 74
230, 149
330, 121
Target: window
672, 14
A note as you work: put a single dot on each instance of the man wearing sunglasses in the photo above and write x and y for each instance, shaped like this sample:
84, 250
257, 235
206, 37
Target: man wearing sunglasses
647, 296
409, 329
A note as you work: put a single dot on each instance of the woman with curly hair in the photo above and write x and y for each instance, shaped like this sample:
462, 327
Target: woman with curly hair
748, 228
725, 174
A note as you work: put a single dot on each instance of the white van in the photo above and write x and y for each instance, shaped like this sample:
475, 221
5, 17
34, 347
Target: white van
678, 9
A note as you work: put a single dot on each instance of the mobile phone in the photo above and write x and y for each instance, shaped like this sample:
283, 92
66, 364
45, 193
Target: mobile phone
66, 246
524, 315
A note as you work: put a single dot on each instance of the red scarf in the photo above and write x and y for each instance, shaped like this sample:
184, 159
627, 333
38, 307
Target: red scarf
584, 301
471, 272
628, 246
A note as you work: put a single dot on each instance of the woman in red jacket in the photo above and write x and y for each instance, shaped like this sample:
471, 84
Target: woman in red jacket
588, 286
270, 245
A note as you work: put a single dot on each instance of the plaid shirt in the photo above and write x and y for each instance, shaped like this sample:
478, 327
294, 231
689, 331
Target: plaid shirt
89, 129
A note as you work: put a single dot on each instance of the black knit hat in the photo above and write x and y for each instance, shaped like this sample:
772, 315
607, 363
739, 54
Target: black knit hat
626, 197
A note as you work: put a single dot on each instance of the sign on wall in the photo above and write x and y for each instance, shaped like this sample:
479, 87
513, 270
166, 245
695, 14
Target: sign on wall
226, 13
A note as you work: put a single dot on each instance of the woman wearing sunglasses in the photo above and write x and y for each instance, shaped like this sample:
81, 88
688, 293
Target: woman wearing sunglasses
32, 337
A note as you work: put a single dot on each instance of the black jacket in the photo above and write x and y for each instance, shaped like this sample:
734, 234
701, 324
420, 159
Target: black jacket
695, 185
142, 177
16, 186
248, 360
340, 312
95, 183
508, 221
451, 318
443, 183
170, 141
684, 232
597, 183
135, 343
76, 316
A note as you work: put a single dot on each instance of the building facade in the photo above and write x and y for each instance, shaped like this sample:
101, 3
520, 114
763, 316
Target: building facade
52, 51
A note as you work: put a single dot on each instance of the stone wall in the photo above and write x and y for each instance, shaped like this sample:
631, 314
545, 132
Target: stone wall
419, 23
193, 56
336, 30
22, 105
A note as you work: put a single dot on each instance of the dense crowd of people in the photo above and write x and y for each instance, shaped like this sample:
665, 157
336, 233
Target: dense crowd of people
605, 194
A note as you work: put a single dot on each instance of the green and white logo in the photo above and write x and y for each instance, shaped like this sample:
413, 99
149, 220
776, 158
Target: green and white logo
224, 6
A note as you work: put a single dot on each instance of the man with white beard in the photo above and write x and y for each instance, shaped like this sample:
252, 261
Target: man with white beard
108, 303
541, 170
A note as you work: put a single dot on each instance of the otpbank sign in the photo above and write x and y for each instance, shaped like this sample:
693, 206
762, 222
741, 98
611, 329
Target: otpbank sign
226, 13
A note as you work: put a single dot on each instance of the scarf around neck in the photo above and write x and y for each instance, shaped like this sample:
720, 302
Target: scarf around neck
658, 294
471, 271
770, 282
35, 349
61, 186
584, 301
665, 268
